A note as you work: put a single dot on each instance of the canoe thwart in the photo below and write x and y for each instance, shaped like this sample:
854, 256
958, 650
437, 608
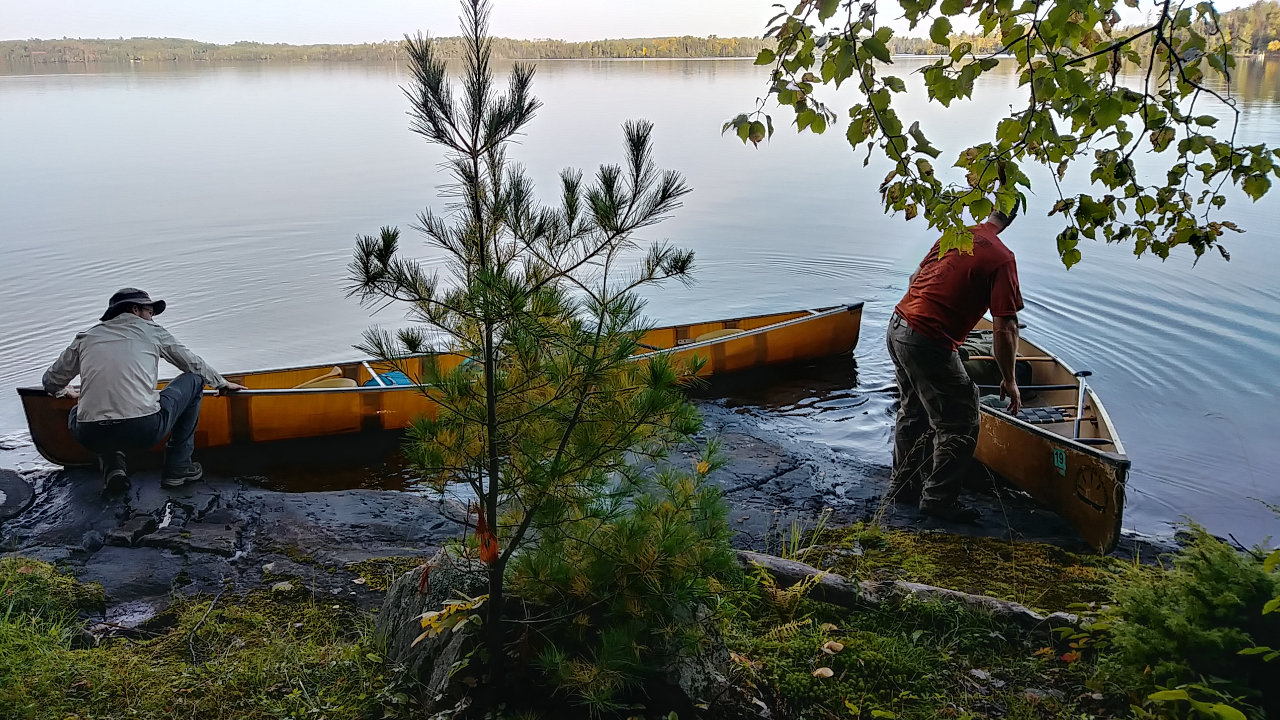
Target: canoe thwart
1041, 388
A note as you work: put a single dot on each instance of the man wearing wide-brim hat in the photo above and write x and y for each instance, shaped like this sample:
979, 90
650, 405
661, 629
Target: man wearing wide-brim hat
119, 408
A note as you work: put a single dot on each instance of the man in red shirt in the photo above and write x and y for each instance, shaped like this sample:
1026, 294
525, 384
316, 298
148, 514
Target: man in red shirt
937, 422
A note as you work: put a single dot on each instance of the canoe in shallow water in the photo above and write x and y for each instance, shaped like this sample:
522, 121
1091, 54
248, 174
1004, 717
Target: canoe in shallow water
324, 400
1081, 478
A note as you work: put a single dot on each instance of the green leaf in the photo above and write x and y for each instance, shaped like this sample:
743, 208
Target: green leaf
756, 132
1255, 186
766, 57
1206, 121
877, 49
1107, 112
1254, 651
827, 9
952, 7
857, 132
1271, 606
1169, 695
940, 31
1272, 560
980, 209
894, 83
1222, 711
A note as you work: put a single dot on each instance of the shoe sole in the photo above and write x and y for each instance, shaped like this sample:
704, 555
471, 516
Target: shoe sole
179, 482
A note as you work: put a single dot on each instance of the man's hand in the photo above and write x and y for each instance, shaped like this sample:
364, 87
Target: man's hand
69, 392
1009, 389
230, 388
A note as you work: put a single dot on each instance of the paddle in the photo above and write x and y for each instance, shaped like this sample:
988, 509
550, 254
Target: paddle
333, 372
1080, 398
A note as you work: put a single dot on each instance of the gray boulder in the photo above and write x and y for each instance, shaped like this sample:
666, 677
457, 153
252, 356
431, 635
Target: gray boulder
432, 661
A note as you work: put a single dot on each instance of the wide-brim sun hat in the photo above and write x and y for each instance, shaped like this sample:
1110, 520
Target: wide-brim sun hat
124, 297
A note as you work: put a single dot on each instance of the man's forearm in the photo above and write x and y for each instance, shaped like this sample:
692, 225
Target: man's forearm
1005, 349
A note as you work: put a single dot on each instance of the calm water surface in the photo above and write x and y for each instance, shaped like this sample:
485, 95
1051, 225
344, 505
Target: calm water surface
236, 192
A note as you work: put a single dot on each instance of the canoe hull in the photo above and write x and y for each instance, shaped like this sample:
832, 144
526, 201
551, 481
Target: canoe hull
274, 409
1085, 486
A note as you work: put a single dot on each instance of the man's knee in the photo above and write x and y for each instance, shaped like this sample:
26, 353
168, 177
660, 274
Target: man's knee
190, 380
958, 438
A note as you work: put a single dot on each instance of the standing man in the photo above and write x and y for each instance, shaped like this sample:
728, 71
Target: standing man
937, 422
119, 408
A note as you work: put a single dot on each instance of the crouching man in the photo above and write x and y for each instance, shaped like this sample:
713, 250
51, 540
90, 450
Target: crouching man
119, 408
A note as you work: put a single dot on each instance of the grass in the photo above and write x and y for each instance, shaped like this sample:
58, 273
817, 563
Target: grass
285, 655
265, 655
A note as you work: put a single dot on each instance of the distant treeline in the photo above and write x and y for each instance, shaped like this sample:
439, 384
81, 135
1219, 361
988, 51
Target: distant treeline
1253, 29
124, 50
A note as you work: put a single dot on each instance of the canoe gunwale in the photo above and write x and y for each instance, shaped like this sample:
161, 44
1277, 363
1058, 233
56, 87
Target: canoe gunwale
814, 315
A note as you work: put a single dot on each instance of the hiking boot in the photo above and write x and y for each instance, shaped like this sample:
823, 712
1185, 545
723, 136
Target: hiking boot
951, 512
115, 475
178, 478
905, 493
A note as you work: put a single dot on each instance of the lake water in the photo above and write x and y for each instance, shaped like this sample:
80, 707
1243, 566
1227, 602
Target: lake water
236, 193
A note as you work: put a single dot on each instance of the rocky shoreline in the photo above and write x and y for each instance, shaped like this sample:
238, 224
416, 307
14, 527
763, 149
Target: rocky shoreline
232, 532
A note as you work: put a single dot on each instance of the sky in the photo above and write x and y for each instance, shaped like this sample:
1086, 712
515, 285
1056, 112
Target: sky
304, 22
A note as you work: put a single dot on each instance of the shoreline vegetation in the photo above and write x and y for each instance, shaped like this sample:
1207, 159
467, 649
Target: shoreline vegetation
285, 649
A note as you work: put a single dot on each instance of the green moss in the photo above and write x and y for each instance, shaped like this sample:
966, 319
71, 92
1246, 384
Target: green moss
379, 573
34, 588
298, 555
264, 655
1040, 576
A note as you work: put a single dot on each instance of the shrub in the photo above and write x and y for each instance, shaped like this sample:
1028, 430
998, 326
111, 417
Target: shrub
632, 589
1187, 626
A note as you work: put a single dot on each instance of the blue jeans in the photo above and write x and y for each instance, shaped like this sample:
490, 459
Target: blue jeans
177, 417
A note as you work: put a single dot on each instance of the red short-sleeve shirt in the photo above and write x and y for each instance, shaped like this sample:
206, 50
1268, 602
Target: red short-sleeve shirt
950, 293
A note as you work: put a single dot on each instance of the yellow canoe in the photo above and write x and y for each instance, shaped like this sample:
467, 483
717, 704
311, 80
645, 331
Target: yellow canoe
323, 400
1079, 474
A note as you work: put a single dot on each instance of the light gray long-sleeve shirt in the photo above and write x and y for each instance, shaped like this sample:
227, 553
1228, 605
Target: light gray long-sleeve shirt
118, 362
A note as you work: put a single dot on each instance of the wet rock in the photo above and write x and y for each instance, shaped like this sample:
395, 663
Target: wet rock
128, 574
92, 541
16, 494
127, 535
195, 537
282, 586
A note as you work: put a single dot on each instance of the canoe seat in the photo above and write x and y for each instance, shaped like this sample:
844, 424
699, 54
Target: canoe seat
1042, 415
333, 382
723, 332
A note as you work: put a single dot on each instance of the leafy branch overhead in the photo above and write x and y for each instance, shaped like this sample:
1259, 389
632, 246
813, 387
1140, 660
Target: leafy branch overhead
1098, 93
